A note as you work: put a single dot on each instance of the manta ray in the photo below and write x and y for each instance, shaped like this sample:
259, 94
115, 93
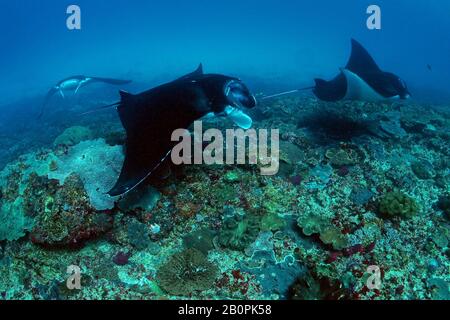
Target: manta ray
149, 119
75, 83
361, 79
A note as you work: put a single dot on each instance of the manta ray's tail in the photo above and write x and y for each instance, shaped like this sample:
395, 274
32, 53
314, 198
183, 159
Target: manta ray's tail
124, 95
113, 105
112, 81
286, 93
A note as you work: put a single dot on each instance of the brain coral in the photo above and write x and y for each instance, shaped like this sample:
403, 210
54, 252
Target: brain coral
186, 272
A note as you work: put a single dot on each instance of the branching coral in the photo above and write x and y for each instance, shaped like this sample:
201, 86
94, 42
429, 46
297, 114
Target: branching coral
278, 198
186, 272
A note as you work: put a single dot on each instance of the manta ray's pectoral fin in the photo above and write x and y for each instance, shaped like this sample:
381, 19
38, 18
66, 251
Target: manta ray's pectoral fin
148, 144
47, 98
140, 162
333, 90
198, 72
125, 95
361, 62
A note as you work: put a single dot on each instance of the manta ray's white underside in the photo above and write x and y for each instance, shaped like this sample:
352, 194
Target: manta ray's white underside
358, 89
72, 84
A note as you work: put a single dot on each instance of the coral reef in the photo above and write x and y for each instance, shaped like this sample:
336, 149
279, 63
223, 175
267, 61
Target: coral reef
14, 223
360, 185
64, 217
98, 166
202, 240
238, 232
341, 157
422, 170
138, 234
328, 233
398, 204
72, 136
187, 272
444, 205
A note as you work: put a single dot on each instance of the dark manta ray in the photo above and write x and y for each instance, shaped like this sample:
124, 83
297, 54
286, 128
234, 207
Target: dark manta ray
150, 118
361, 79
75, 83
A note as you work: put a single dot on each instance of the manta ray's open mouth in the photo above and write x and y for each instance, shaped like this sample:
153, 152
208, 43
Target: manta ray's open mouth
239, 97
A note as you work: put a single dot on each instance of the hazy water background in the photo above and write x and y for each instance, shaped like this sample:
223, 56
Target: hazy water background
287, 42
272, 45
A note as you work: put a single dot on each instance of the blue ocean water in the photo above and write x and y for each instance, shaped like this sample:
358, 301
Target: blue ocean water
287, 42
